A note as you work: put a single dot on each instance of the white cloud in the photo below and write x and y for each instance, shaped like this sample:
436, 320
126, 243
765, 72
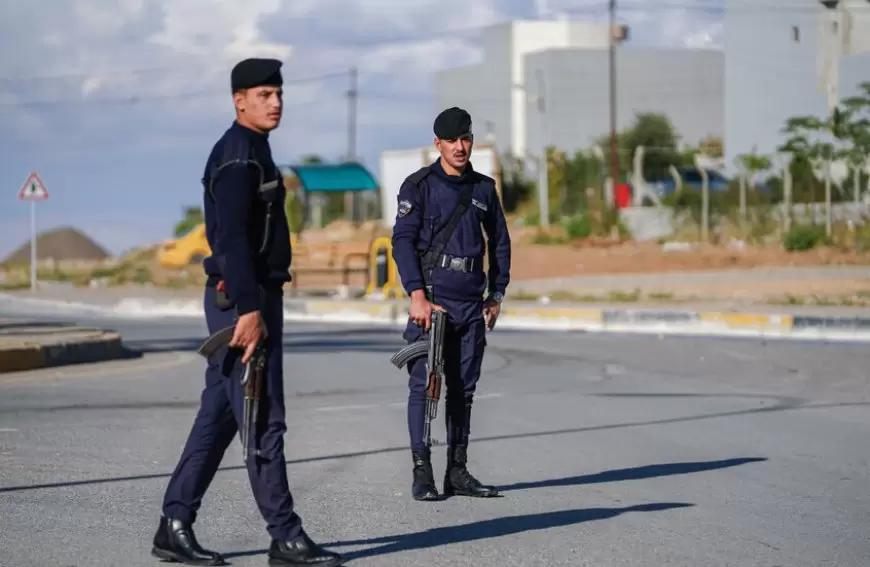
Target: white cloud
106, 65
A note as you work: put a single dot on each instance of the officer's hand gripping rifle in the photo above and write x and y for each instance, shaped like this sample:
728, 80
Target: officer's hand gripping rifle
433, 345
252, 385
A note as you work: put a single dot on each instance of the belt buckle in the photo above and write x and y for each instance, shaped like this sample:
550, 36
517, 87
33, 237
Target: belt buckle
457, 264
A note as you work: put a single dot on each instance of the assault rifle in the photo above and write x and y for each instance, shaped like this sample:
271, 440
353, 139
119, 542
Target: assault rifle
432, 344
252, 386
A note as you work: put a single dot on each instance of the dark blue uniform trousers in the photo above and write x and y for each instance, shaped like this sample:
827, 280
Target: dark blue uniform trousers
219, 420
464, 346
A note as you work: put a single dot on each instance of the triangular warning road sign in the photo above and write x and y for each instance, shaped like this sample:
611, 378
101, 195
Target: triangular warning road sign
33, 189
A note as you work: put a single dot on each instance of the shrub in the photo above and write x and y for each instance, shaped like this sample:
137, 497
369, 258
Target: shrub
804, 237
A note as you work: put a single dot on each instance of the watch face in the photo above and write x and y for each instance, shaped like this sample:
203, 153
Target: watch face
497, 297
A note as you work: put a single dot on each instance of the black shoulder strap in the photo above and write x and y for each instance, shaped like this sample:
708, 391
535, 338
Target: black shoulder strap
234, 154
436, 248
419, 176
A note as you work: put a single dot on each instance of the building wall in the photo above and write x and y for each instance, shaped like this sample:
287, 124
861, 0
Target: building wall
484, 90
534, 37
773, 64
684, 84
494, 91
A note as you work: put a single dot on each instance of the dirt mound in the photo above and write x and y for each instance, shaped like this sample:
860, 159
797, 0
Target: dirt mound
60, 245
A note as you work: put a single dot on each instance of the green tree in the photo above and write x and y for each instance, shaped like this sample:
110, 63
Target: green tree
192, 217
294, 209
658, 137
845, 135
516, 187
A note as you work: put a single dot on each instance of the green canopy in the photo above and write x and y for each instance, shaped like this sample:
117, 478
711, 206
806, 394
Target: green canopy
330, 177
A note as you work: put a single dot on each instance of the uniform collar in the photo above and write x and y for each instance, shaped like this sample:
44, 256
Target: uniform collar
466, 176
255, 135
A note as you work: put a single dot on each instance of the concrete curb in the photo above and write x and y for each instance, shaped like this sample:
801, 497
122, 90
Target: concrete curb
799, 324
616, 320
33, 356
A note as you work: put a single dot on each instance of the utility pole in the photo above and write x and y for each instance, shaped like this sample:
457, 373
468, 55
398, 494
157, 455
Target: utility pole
352, 97
543, 164
614, 156
832, 45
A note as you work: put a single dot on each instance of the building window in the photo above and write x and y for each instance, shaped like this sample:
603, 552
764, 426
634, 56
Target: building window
796, 34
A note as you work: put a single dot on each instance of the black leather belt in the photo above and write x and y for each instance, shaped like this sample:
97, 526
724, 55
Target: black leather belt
458, 264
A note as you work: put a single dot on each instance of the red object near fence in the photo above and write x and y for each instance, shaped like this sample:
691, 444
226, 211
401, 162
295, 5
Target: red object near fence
622, 195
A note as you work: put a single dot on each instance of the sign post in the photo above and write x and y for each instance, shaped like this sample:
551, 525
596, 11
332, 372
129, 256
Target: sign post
33, 190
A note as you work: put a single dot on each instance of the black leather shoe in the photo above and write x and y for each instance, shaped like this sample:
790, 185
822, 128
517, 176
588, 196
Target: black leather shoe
175, 542
458, 481
302, 551
423, 488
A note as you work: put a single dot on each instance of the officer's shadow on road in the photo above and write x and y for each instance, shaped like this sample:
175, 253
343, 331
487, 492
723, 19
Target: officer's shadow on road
511, 525
498, 527
485, 529
634, 473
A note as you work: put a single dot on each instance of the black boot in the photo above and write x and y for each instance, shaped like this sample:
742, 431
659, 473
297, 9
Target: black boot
175, 542
302, 551
458, 481
424, 479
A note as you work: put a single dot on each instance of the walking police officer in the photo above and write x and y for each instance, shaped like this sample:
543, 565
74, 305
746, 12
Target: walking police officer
250, 241
438, 246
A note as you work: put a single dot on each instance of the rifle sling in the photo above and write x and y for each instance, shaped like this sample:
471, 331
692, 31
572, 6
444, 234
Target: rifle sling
436, 248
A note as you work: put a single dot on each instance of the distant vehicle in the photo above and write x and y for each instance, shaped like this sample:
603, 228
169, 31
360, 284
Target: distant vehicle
190, 249
691, 177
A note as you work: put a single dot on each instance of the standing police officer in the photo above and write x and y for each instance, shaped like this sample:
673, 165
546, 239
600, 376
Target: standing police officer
449, 276
250, 240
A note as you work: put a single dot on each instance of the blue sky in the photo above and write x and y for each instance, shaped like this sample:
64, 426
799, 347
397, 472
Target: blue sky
116, 103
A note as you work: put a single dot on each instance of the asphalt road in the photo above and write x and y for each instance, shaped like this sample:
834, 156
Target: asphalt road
610, 451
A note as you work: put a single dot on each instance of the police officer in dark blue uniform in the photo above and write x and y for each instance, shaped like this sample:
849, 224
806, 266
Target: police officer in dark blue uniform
449, 202
248, 234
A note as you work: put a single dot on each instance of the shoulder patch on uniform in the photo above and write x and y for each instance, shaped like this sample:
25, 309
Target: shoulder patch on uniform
478, 204
404, 208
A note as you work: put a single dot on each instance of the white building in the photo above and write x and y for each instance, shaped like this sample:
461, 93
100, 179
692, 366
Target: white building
548, 82
779, 58
495, 91
777, 62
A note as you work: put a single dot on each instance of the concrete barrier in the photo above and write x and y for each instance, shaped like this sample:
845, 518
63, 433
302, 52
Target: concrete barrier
73, 346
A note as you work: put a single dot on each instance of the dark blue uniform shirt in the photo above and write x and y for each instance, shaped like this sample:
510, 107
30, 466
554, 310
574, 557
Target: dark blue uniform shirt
424, 210
244, 183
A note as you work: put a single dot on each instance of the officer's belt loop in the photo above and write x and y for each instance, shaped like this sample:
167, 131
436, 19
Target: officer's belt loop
457, 264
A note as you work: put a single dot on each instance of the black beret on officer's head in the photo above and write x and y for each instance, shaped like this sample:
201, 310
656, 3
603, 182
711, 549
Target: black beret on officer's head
452, 124
256, 72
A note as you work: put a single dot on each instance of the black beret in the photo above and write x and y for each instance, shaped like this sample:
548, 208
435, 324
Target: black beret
452, 124
256, 72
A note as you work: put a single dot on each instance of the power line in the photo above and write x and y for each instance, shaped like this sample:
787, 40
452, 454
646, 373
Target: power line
135, 99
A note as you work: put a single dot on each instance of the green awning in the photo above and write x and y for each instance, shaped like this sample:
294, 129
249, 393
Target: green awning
333, 177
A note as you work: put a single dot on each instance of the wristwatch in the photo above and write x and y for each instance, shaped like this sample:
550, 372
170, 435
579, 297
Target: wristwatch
497, 297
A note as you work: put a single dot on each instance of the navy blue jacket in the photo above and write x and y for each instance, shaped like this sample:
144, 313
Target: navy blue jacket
241, 181
424, 210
